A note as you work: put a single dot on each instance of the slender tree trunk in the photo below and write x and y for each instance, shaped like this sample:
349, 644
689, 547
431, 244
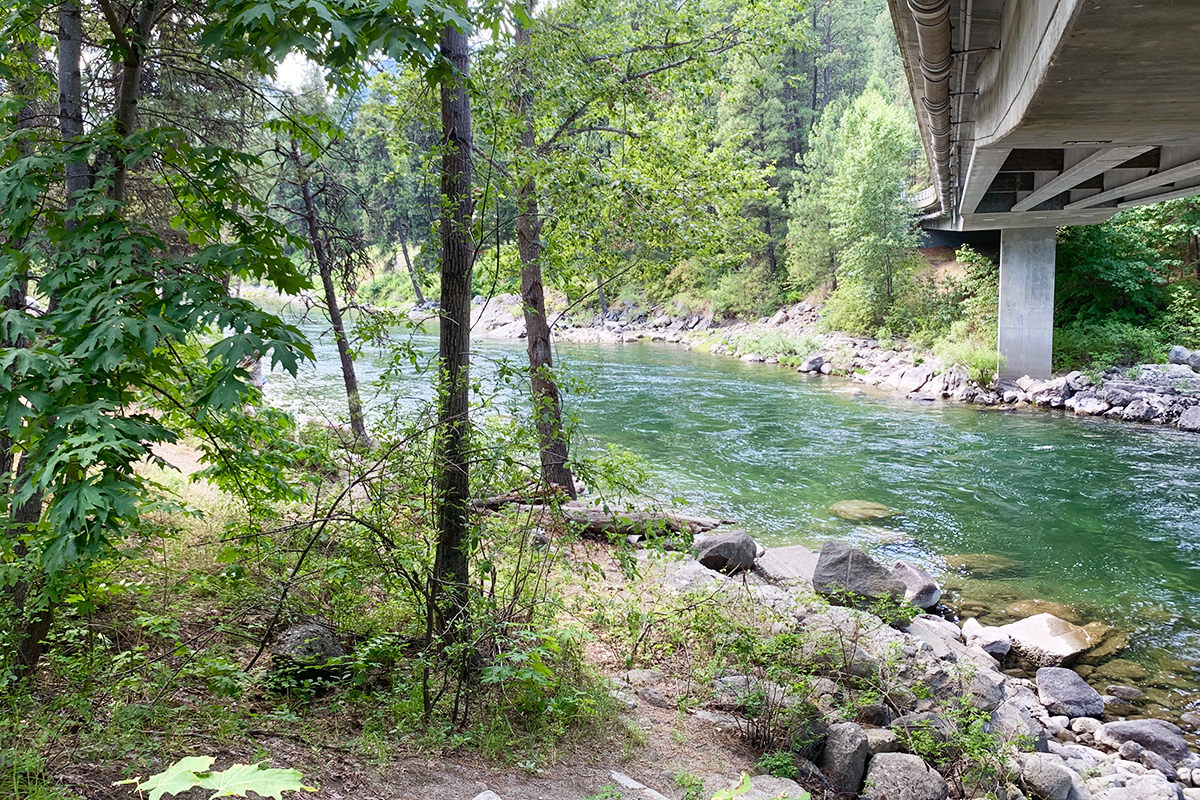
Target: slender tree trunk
547, 403
325, 267
600, 294
132, 42
412, 273
453, 491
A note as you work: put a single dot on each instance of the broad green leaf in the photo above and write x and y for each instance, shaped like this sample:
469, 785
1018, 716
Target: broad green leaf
179, 777
242, 778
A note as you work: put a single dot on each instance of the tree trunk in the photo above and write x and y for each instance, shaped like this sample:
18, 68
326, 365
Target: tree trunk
412, 273
600, 294
325, 267
70, 96
129, 86
453, 492
547, 403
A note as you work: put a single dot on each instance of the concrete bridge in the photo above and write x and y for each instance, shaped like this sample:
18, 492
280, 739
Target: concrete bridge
1037, 114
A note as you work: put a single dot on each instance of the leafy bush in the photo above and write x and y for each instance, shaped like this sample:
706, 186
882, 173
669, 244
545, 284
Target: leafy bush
969, 351
778, 763
750, 292
775, 342
851, 309
1106, 344
1181, 323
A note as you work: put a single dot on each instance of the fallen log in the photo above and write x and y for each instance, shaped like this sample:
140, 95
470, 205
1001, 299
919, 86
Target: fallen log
604, 524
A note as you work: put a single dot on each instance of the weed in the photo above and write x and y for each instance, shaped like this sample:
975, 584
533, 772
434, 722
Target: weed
778, 763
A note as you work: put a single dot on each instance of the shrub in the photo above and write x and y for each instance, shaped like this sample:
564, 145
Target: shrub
750, 292
851, 309
970, 351
1106, 344
1181, 323
777, 343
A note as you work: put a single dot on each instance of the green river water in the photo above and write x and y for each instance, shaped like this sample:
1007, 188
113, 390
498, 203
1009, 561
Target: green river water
1101, 516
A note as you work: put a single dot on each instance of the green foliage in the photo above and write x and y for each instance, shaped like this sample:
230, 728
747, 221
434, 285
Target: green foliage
192, 772
773, 342
960, 348
1181, 323
967, 751
749, 292
1107, 343
1110, 271
778, 763
693, 787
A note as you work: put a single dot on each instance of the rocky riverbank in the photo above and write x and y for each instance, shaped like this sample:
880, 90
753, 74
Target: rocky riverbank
1056, 736
1159, 394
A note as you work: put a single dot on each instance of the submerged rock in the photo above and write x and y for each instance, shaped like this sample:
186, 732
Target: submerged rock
983, 565
859, 510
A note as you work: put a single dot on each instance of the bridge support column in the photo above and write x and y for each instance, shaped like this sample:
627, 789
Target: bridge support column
1026, 302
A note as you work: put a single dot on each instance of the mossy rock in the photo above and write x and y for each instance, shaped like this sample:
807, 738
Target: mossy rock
983, 565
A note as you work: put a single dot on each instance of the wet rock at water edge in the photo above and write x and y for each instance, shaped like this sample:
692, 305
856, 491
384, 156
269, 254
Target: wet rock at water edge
811, 364
842, 569
728, 552
991, 640
920, 588
901, 776
859, 510
1063, 692
1044, 640
1156, 735
1189, 420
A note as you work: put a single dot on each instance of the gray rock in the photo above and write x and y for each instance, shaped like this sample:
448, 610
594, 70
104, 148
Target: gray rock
1130, 751
787, 565
1194, 360
1189, 420
1046, 776
901, 776
992, 641
1191, 719
845, 756
1044, 640
728, 552
881, 740
654, 697
1152, 734
811, 364
1062, 691
1152, 760
1178, 355
766, 787
842, 569
920, 588
309, 645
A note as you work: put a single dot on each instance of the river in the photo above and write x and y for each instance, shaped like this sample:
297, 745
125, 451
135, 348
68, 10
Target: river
1098, 515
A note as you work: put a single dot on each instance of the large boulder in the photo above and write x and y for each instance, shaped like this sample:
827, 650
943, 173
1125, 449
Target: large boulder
1063, 692
1044, 640
728, 552
309, 646
1178, 355
920, 588
1046, 776
811, 364
901, 776
841, 569
787, 565
845, 756
1189, 420
1156, 735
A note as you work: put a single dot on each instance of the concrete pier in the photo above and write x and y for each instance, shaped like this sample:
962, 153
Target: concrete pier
1026, 302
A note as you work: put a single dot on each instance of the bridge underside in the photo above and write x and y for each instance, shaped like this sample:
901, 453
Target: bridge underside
1037, 114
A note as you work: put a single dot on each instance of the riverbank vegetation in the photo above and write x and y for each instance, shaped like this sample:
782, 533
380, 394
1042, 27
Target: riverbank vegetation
715, 156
